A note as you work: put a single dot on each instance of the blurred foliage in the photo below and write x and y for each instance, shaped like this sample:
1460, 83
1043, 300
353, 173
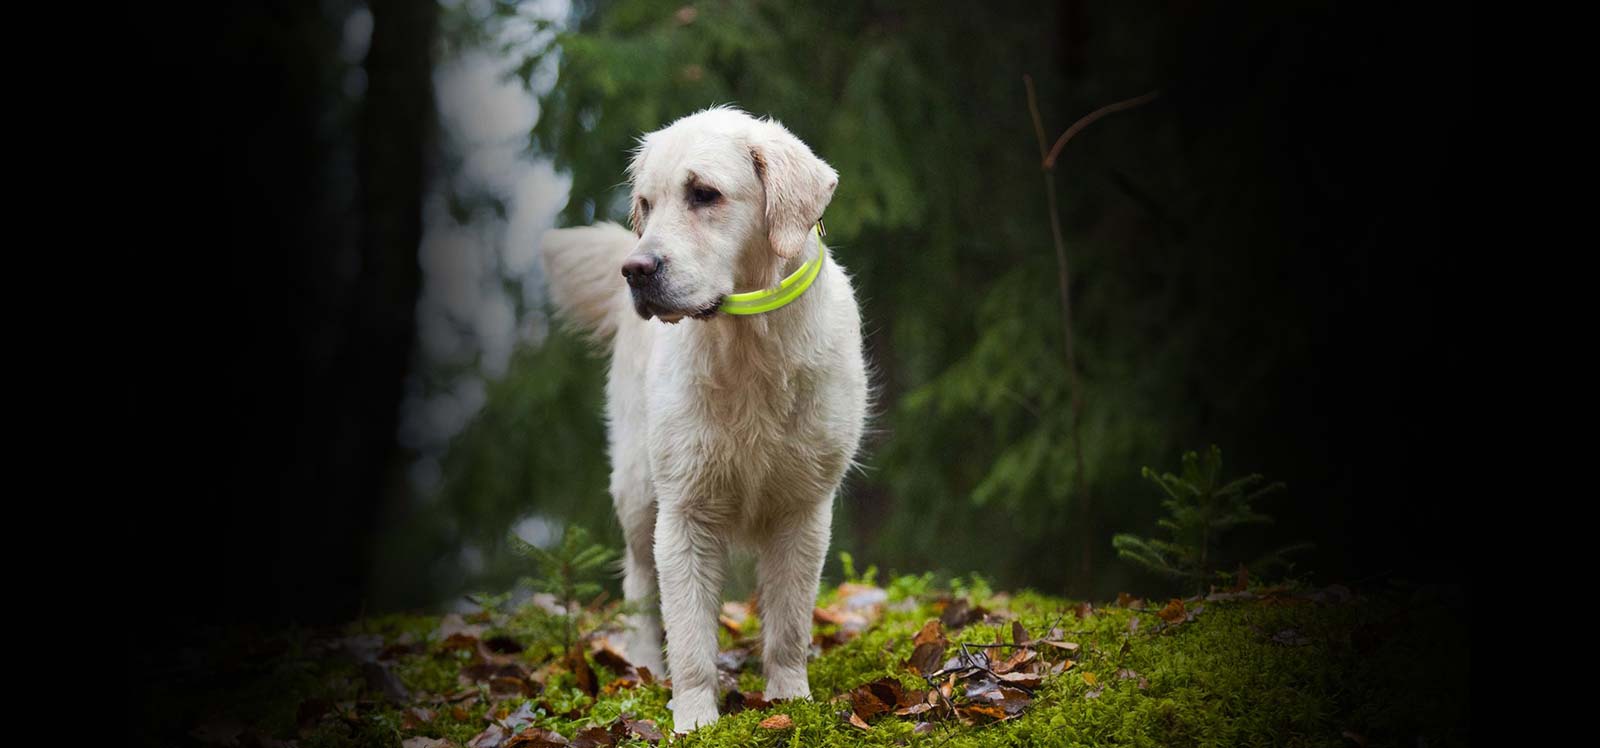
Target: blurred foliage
1199, 511
940, 216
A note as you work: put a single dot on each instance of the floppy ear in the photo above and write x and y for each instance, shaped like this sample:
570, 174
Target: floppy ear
798, 184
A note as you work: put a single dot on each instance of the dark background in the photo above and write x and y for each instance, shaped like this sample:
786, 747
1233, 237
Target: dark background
261, 407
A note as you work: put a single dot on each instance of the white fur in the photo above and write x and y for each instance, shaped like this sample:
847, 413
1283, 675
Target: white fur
727, 430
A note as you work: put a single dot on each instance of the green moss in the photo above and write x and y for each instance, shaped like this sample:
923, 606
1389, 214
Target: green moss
1288, 672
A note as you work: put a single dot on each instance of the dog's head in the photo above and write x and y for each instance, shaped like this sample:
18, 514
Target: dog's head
719, 197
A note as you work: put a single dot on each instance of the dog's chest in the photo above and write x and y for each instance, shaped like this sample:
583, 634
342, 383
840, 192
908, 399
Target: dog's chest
745, 441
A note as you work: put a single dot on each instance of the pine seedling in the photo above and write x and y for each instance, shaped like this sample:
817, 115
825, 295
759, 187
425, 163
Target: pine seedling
569, 570
1200, 512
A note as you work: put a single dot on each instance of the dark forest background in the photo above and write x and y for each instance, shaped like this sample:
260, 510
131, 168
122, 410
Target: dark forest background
1264, 258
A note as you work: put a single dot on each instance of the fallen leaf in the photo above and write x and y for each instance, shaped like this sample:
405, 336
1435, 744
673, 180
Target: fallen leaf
581, 670
1090, 678
420, 742
1026, 680
734, 616
593, 737
1083, 610
513, 721
504, 687
492, 737
1125, 600
534, 737
960, 613
1068, 646
1019, 634
609, 658
1173, 613
777, 722
1017, 659
737, 701
982, 713
642, 728
858, 724
929, 651
922, 728
872, 699
415, 717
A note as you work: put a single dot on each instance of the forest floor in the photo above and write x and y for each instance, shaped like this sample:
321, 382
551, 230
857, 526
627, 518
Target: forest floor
898, 664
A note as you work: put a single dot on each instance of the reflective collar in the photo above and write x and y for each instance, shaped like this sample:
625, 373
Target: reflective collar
757, 302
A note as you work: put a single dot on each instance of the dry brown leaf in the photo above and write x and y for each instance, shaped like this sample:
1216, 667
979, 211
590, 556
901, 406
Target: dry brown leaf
1019, 634
1026, 680
579, 666
1017, 658
609, 658
534, 737
594, 737
642, 728
959, 613
421, 742
492, 737
1091, 678
982, 713
777, 722
415, 717
1173, 613
914, 709
858, 724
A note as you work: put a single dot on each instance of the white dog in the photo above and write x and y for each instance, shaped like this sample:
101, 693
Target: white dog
737, 425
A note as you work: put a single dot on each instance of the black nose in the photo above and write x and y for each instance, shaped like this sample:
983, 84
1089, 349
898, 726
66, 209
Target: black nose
639, 268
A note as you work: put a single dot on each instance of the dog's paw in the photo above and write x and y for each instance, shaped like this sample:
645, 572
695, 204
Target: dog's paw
692, 710
788, 684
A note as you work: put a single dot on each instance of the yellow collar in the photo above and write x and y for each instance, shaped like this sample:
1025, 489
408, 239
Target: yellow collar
757, 302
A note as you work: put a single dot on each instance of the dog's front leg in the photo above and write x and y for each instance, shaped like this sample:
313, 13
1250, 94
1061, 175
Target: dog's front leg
690, 559
789, 568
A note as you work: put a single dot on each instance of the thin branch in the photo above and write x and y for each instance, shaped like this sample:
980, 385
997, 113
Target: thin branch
1049, 159
1063, 281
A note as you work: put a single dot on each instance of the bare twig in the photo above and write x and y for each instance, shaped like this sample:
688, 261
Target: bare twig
1088, 119
1047, 162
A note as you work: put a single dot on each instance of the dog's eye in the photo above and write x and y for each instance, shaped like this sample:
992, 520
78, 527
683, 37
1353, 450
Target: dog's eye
703, 196
644, 206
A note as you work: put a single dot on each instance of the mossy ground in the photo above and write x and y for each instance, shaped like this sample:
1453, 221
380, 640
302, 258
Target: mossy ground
1384, 667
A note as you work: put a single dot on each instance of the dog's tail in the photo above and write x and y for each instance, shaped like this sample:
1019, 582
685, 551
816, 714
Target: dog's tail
584, 269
